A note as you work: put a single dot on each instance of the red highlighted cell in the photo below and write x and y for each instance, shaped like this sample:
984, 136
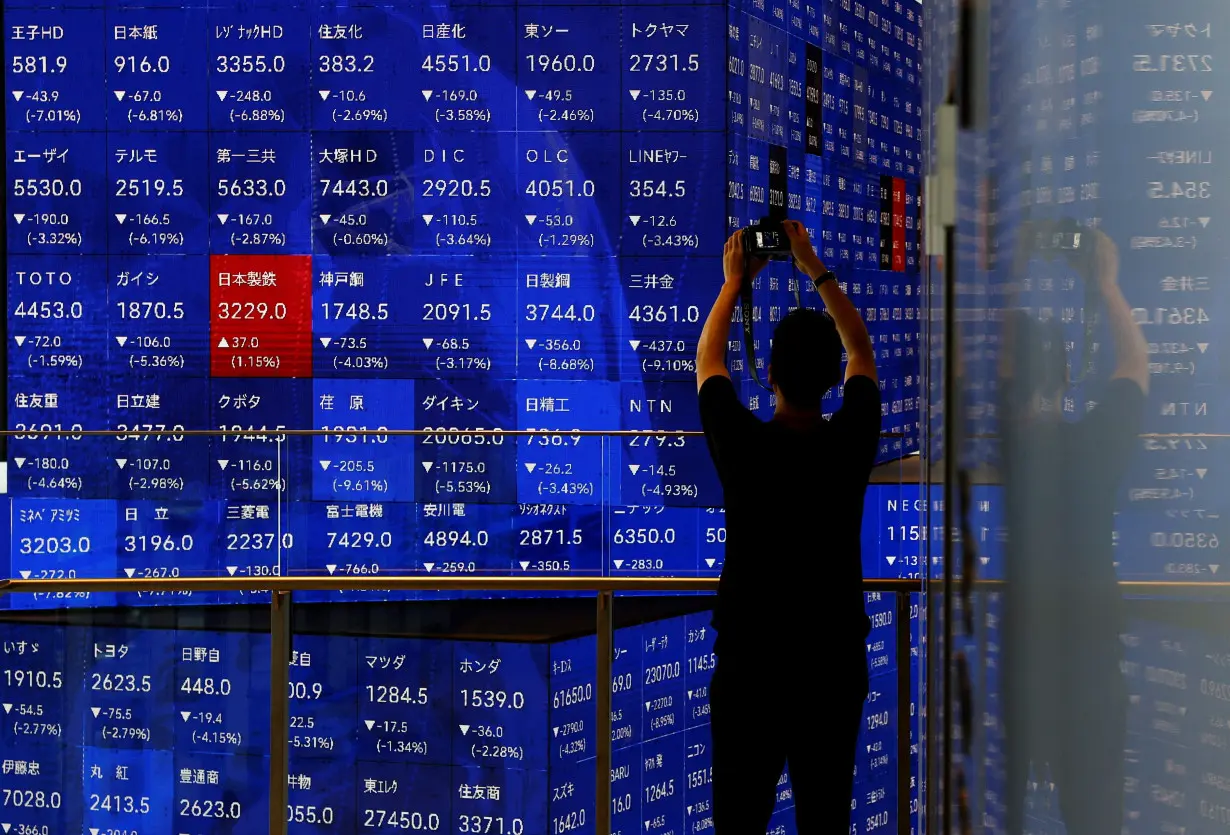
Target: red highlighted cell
898, 225
260, 315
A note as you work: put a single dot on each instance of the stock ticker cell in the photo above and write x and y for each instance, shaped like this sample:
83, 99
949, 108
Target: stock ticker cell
666, 665
267, 91
489, 799
668, 177
362, 197
321, 793
57, 183
35, 793
37, 682
228, 792
882, 640
570, 194
564, 469
571, 319
354, 467
253, 459
673, 59
53, 78
662, 468
499, 710
405, 696
44, 296
571, 704
218, 679
258, 199
568, 66
558, 539
465, 468
468, 78
158, 314
464, 316
366, 86
56, 539
157, 205
128, 694
261, 315
48, 457
152, 87
163, 467
161, 539
468, 187
357, 539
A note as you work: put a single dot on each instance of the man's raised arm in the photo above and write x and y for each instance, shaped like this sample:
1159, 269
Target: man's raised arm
860, 355
1131, 348
714, 338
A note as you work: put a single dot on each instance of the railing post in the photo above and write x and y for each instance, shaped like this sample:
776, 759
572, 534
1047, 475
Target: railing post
279, 709
606, 656
904, 721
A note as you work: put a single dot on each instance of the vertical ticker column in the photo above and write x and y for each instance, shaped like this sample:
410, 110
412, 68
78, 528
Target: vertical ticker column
56, 304
671, 149
258, 280
569, 309
157, 243
364, 105
469, 220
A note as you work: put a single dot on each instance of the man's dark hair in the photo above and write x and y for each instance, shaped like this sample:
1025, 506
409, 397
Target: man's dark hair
1039, 361
805, 361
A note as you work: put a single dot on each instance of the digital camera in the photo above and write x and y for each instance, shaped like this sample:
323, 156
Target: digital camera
766, 238
1064, 238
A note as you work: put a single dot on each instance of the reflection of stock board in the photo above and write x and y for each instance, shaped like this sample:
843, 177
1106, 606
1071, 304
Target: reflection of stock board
435, 216
1117, 128
1175, 662
1109, 113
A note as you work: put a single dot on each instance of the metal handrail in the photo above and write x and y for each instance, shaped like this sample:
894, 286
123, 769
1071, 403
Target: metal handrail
513, 433
585, 433
445, 582
378, 583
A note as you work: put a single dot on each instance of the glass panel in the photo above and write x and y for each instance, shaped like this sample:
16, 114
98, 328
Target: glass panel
136, 720
1086, 319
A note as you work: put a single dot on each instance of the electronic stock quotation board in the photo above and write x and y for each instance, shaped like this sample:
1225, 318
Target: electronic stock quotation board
355, 217
360, 217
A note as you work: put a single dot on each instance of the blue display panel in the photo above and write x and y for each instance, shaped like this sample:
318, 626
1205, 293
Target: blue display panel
445, 216
1118, 134
1165, 218
149, 730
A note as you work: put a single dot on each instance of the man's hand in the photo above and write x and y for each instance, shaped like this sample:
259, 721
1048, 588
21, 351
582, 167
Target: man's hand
804, 253
801, 247
733, 263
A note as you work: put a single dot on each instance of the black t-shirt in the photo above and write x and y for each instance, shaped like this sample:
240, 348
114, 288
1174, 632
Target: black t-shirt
794, 511
1097, 450
1062, 611
1062, 485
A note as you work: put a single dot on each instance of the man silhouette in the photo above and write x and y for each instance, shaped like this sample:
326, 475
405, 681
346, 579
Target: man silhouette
791, 622
1065, 701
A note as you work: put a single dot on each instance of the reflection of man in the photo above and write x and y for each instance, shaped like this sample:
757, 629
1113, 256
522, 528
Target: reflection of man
1064, 695
790, 609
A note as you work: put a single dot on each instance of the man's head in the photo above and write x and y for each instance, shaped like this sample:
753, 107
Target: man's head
1036, 367
805, 361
